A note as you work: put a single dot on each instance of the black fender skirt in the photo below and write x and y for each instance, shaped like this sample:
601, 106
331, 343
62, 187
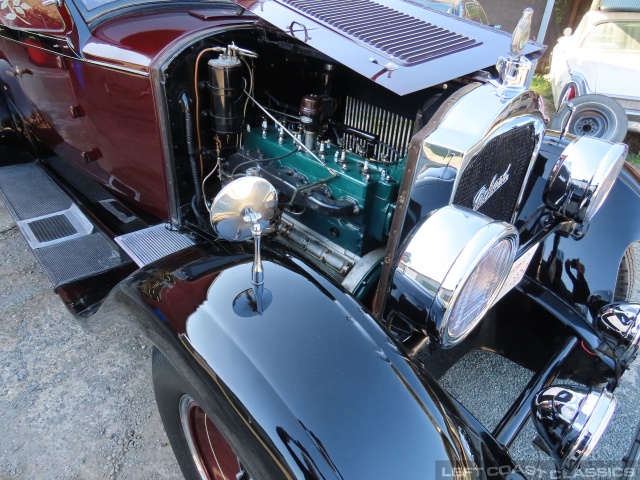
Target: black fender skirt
315, 379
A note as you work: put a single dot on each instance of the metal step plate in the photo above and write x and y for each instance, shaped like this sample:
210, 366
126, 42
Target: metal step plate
150, 244
55, 227
63, 239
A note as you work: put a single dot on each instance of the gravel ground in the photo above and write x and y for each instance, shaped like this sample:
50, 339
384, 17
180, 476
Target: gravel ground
74, 405
483, 380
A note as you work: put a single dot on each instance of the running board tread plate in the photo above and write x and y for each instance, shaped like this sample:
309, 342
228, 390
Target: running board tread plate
62, 238
150, 244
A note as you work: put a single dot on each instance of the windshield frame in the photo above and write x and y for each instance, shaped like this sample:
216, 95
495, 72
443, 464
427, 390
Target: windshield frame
109, 9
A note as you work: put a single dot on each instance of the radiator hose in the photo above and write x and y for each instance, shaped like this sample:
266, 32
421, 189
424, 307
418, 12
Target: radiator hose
191, 152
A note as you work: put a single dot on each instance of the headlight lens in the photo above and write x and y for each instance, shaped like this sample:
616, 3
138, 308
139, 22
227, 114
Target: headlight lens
480, 289
451, 272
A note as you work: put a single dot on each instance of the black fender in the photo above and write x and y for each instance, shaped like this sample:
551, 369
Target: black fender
315, 378
582, 270
6, 122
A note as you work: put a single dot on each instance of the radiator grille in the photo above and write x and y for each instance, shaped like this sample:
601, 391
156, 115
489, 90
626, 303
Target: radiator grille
394, 130
493, 179
407, 39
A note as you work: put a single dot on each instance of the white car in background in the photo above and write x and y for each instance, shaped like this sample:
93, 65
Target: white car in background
601, 57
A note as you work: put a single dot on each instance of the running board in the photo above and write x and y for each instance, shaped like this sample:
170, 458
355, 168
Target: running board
66, 243
151, 244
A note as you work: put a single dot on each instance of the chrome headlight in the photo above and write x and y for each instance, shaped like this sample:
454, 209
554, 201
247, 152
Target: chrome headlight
570, 421
618, 324
583, 176
452, 269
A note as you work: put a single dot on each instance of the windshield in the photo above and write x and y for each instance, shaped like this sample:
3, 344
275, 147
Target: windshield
443, 7
476, 13
619, 36
90, 5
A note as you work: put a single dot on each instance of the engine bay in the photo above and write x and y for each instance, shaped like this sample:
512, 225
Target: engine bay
332, 142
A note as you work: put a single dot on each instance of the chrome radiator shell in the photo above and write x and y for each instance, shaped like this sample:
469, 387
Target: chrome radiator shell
471, 120
500, 132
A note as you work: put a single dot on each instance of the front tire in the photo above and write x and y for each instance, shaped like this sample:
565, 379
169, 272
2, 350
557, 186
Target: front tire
202, 451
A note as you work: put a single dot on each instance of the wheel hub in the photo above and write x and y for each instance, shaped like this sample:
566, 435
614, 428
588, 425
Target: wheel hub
213, 456
590, 126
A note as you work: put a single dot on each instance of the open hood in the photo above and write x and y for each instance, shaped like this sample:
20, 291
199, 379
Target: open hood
400, 45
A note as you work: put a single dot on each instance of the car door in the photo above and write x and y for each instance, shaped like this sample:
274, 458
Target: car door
36, 60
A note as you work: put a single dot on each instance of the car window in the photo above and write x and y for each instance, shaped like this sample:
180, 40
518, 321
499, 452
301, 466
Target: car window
92, 4
442, 7
623, 36
31, 15
476, 13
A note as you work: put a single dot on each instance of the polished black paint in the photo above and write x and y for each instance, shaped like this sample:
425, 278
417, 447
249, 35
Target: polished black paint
583, 271
579, 268
6, 123
317, 378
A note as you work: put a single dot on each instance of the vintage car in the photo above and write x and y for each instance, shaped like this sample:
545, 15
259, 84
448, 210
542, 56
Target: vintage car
597, 68
313, 209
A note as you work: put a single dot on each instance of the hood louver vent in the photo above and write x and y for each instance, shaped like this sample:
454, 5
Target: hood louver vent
408, 40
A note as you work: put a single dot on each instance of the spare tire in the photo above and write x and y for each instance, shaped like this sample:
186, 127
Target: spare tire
626, 290
595, 116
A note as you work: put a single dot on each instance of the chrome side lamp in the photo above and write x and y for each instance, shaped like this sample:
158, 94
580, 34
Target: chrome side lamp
618, 324
583, 176
570, 421
454, 266
242, 210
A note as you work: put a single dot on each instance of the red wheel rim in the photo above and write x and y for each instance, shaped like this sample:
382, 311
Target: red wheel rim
213, 456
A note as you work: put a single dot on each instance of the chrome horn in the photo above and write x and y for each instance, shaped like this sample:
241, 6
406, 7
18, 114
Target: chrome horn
242, 210
570, 420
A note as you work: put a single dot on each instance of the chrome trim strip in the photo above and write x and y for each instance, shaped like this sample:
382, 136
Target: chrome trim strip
76, 56
183, 409
581, 82
625, 97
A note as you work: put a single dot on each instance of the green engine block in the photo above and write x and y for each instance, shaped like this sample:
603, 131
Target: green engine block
373, 189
